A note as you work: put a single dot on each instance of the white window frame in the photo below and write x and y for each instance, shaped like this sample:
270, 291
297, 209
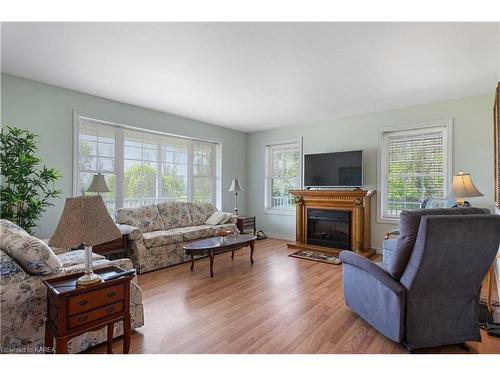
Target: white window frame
267, 177
119, 157
446, 126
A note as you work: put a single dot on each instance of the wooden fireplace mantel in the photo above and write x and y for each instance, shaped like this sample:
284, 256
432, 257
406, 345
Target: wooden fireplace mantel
358, 202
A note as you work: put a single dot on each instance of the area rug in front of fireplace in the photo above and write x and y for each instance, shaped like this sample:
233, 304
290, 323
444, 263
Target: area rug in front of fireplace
316, 256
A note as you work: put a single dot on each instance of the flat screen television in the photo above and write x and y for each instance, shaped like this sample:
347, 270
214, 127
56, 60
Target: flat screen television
334, 169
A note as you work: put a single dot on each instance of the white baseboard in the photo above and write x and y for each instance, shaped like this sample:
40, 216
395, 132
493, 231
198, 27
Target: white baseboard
277, 236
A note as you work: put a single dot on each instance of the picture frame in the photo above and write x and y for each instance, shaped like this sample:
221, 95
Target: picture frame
496, 117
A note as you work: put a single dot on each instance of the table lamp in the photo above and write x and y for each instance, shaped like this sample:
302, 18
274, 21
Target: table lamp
462, 187
98, 185
235, 186
85, 220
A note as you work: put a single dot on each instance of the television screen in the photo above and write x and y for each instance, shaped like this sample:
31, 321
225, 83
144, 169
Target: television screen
334, 169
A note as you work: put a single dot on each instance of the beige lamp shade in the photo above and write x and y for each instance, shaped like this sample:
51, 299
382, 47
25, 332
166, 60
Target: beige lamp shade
235, 185
462, 187
98, 184
85, 220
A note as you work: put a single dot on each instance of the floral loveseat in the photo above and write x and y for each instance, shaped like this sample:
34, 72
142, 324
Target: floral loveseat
156, 233
23, 300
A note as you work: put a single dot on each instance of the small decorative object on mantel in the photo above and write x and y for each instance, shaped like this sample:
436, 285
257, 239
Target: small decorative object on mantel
85, 220
98, 185
462, 187
235, 186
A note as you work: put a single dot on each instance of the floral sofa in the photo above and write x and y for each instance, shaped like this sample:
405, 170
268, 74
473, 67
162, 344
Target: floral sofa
156, 233
23, 300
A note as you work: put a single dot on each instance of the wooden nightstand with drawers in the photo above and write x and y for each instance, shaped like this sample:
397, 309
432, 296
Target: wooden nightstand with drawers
72, 310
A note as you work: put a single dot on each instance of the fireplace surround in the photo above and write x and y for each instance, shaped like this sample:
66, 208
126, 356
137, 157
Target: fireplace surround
339, 220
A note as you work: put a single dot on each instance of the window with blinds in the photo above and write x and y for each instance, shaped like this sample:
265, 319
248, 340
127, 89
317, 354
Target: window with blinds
283, 173
143, 167
414, 167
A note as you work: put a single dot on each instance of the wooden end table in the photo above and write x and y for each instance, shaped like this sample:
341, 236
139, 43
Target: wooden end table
215, 245
111, 248
73, 310
246, 223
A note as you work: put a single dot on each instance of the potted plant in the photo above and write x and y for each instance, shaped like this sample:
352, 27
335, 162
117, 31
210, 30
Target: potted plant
26, 187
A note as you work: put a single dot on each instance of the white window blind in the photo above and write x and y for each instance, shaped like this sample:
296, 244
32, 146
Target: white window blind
283, 174
414, 167
142, 167
96, 153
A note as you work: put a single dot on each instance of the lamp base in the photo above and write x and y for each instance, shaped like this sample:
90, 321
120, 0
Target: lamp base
89, 279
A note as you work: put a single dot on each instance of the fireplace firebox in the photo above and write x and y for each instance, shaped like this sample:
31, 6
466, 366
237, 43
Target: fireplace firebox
330, 228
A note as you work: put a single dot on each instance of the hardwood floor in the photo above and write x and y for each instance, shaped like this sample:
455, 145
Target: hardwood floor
278, 305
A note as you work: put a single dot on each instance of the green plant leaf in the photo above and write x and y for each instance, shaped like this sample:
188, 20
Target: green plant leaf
27, 188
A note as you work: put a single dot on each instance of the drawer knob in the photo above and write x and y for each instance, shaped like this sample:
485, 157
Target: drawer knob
111, 294
83, 302
82, 318
109, 310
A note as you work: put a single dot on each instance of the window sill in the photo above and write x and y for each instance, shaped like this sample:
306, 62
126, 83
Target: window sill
387, 221
270, 211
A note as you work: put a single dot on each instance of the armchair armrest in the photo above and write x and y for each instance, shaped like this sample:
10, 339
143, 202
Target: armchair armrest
133, 233
355, 260
394, 232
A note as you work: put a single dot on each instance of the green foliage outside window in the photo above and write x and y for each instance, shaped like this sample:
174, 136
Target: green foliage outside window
285, 176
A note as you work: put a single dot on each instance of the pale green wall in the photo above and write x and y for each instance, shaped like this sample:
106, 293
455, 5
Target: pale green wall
472, 151
48, 111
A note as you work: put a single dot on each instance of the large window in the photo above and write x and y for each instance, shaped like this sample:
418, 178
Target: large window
415, 166
283, 173
143, 167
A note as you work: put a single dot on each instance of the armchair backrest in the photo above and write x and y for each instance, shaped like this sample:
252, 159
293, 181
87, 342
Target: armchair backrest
452, 254
443, 277
409, 227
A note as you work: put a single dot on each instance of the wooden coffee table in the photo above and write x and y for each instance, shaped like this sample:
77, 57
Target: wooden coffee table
215, 245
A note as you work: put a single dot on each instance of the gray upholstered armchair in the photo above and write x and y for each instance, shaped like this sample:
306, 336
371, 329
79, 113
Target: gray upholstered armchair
428, 294
390, 238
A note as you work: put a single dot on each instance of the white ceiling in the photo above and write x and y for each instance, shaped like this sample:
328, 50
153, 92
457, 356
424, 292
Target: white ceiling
253, 76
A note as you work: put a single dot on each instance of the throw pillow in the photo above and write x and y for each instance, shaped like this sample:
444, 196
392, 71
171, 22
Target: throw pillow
10, 271
228, 216
34, 256
4, 223
218, 218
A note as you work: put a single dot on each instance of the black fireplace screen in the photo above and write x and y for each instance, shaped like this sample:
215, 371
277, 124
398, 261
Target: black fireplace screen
331, 228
